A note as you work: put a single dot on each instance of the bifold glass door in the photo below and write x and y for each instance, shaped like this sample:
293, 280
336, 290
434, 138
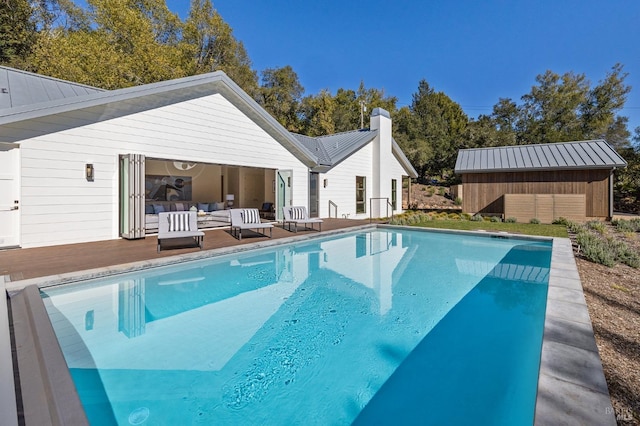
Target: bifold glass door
132, 197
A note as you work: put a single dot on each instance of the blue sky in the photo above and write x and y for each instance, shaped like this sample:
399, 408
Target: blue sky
474, 51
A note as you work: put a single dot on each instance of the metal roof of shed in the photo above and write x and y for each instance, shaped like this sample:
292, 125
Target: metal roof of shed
592, 154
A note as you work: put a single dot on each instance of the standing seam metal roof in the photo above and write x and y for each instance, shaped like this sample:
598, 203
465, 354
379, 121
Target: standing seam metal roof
591, 154
21, 88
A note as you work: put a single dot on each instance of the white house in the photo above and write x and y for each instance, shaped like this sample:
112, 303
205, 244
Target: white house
80, 164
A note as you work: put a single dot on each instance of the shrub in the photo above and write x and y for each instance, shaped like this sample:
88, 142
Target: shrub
623, 253
397, 221
441, 191
535, 221
465, 216
458, 201
575, 227
453, 216
511, 220
595, 249
476, 218
561, 221
597, 226
496, 219
624, 225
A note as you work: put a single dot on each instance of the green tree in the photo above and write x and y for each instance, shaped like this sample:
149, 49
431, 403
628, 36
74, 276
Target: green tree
599, 111
627, 180
346, 114
550, 112
209, 45
17, 31
129, 42
442, 123
281, 95
317, 114
505, 118
120, 43
408, 135
566, 108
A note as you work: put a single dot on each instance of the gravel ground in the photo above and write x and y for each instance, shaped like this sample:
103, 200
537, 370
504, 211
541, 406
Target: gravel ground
613, 299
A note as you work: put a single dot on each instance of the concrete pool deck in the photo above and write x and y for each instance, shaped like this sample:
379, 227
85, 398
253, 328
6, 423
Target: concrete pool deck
571, 385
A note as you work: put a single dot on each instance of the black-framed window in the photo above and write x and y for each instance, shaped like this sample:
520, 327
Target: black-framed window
394, 193
361, 194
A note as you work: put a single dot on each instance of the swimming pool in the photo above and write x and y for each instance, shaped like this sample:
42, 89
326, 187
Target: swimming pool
374, 325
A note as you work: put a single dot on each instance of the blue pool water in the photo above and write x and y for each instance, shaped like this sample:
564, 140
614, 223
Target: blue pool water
380, 327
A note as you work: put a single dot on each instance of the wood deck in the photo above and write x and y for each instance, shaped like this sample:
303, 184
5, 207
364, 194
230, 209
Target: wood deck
20, 264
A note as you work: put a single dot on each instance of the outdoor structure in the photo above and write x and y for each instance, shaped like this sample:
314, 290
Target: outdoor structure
573, 180
81, 164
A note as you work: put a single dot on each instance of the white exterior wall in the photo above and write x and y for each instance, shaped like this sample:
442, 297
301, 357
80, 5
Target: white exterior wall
341, 188
383, 161
59, 206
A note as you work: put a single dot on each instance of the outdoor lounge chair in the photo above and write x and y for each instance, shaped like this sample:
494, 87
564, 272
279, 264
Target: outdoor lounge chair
247, 219
179, 225
297, 215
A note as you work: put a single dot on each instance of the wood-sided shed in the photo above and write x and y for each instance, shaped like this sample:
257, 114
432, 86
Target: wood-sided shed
573, 180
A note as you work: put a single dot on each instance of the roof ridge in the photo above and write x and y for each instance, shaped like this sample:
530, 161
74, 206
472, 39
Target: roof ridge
366, 129
536, 144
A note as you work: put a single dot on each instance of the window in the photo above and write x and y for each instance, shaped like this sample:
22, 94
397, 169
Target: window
394, 191
314, 179
361, 194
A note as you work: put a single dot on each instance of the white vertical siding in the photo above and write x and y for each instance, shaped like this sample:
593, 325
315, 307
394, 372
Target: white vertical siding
59, 206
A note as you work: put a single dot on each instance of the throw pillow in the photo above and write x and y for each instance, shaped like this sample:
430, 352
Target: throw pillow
148, 209
203, 206
297, 213
158, 208
250, 216
220, 206
178, 222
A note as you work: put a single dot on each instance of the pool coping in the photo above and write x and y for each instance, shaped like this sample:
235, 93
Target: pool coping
571, 385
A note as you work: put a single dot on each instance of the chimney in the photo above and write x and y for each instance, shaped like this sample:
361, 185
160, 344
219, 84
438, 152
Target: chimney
382, 173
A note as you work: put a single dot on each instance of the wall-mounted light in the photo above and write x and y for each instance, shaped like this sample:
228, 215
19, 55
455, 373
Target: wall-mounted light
325, 183
89, 172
